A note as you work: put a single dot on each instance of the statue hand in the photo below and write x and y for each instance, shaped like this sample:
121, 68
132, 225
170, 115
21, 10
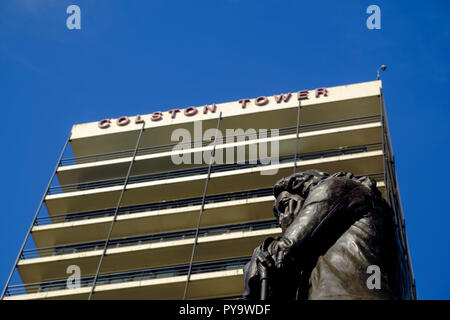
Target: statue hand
279, 251
265, 264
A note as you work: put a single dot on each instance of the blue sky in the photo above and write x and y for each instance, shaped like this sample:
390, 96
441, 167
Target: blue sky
135, 57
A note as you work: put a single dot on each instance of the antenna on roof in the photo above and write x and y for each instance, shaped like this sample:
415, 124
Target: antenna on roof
383, 67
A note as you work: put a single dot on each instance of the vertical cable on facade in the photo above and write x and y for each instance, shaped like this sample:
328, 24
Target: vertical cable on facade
212, 158
390, 177
115, 212
297, 136
35, 217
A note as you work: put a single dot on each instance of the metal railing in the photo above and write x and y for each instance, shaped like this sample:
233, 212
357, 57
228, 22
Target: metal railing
204, 143
155, 206
180, 203
130, 276
204, 169
145, 239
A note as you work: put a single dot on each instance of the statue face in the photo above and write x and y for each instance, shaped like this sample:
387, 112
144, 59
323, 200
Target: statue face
287, 206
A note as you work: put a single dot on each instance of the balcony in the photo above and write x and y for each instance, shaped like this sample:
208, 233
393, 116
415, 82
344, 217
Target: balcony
214, 279
312, 138
156, 217
187, 183
146, 251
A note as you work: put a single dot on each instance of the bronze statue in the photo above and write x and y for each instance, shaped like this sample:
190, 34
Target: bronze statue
336, 229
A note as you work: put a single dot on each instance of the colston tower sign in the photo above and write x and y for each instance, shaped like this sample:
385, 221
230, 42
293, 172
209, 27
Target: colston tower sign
193, 111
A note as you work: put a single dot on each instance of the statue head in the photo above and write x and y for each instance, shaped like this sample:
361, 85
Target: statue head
286, 207
291, 192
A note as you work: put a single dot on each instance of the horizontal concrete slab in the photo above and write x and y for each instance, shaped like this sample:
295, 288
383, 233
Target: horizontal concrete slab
156, 254
204, 285
158, 221
311, 141
356, 100
221, 182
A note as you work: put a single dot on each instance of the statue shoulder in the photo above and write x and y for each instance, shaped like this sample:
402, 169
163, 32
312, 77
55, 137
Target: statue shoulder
332, 188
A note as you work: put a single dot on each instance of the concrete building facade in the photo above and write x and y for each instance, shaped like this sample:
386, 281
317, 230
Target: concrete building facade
129, 201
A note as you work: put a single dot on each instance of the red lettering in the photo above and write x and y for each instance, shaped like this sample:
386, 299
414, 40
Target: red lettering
190, 111
174, 112
321, 91
123, 121
303, 95
261, 101
105, 123
139, 120
156, 116
244, 102
282, 97
208, 108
